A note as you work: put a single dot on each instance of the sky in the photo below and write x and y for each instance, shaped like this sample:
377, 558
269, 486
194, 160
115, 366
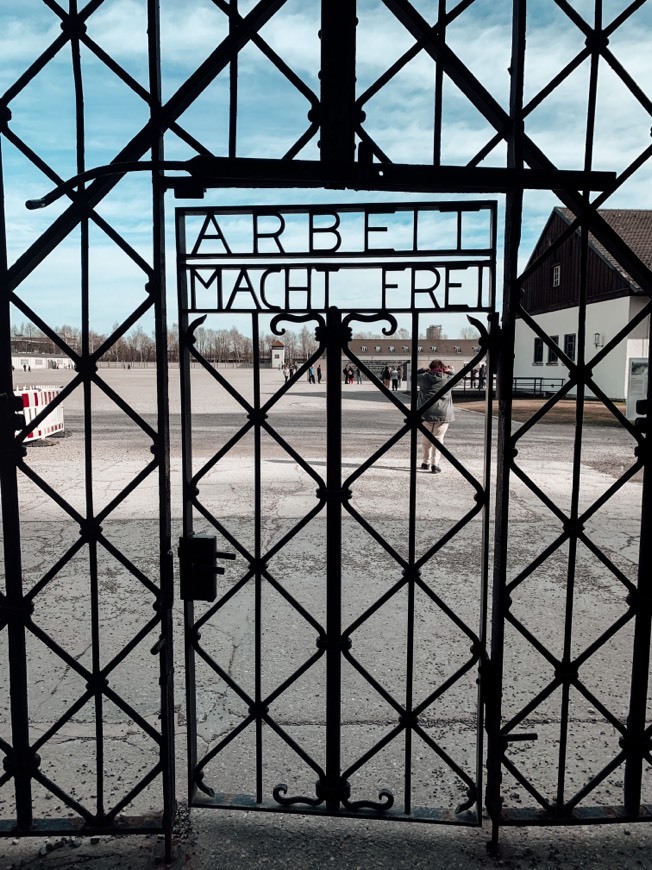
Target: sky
272, 115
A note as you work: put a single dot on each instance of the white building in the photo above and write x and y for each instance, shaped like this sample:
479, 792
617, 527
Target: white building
614, 299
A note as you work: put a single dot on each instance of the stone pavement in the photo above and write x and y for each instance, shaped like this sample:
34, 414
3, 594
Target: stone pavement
230, 839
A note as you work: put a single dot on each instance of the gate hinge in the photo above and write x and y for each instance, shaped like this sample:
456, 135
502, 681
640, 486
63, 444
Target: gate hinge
495, 336
11, 412
198, 568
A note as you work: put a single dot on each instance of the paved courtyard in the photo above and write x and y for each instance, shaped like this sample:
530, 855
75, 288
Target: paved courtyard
120, 450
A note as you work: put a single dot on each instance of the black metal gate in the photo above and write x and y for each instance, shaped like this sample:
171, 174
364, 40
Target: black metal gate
511, 153
360, 664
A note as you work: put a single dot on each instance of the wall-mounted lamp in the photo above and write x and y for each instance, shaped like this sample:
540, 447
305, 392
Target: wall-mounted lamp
598, 339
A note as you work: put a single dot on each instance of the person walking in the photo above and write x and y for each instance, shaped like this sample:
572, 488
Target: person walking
319, 374
358, 375
437, 417
311, 375
482, 376
386, 377
393, 377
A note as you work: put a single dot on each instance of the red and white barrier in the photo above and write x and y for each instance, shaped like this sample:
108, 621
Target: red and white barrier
35, 400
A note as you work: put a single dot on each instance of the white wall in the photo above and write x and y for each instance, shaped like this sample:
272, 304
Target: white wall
278, 357
604, 318
18, 360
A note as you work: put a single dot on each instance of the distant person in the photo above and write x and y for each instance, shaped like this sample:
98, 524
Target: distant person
386, 377
311, 375
393, 377
358, 375
437, 417
286, 372
482, 376
319, 374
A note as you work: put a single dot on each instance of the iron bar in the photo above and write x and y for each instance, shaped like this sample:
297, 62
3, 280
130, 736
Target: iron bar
410, 571
258, 554
333, 788
261, 172
233, 82
566, 664
338, 114
97, 682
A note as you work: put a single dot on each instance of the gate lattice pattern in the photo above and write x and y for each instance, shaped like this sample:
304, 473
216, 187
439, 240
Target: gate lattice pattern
325, 119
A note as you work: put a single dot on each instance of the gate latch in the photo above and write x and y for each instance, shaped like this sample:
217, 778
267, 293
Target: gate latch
198, 568
642, 422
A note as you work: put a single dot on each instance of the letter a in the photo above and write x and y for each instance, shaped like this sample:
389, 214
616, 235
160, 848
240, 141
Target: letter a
210, 223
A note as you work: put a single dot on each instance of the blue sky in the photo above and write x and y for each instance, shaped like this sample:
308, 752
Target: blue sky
273, 114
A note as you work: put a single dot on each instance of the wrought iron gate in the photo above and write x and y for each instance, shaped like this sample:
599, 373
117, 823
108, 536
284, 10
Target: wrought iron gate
330, 598
509, 154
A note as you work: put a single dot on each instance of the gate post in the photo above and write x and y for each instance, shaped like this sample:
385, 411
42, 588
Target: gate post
20, 760
496, 740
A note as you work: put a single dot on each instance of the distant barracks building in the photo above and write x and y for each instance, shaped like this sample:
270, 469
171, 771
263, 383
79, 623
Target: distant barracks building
379, 352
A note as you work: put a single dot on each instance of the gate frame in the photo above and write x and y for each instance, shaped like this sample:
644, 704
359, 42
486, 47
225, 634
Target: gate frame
339, 123
332, 332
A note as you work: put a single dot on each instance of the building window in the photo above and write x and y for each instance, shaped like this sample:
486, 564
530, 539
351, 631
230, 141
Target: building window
569, 346
457, 348
363, 348
405, 349
553, 359
377, 348
391, 348
433, 347
419, 349
556, 275
538, 352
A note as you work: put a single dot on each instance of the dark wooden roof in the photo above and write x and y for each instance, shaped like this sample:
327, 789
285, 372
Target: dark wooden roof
606, 277
633, 225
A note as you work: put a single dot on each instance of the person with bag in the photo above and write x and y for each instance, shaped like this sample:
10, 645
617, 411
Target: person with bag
437, 416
